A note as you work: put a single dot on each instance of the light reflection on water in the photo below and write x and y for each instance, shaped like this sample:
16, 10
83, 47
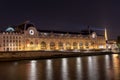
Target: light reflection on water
49, 71
92, 70
64, 69
32, 73
79, 68
116, 66
107, 67
104, 67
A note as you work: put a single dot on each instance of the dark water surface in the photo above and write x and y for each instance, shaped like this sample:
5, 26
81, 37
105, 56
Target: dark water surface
104, 67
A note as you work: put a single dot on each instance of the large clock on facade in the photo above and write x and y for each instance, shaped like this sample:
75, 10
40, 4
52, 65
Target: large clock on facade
31, 32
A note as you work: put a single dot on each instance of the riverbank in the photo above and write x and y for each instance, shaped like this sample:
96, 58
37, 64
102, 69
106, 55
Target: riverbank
24, 55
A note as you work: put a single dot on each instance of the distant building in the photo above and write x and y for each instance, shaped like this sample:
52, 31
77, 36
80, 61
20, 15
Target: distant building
25, 37
112, 45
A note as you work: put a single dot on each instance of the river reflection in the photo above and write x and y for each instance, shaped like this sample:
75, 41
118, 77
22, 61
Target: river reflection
49, 70
104, 67
64, 69
32, 69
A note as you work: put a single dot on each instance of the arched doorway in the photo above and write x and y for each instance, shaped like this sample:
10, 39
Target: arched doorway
31, 46
75, 45
31, 43
52, 46
86, 45
81, 45
60, 46
43, 45
68, 46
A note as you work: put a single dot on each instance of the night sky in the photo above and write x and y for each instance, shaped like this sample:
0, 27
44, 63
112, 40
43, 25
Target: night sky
63, 15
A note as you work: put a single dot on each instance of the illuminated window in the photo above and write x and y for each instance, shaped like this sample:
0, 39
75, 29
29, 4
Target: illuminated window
52, 45
60, 45
74, 45
87, 45
81, 44
43, 45
68, 46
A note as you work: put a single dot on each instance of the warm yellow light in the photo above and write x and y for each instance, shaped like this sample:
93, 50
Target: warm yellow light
101, 47
28, 45
106, 37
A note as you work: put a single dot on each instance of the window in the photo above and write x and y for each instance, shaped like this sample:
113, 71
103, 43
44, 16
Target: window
13, 37
10, 40
52, 45
81, 44
60, 45
86, 44
4, 41
68, 46
43, 45
74, 45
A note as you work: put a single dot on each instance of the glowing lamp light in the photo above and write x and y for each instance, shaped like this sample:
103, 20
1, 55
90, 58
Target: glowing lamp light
93, 35
109, 47
28, 45
101, 47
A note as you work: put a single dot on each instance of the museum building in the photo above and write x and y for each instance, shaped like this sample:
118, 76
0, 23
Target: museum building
26, 37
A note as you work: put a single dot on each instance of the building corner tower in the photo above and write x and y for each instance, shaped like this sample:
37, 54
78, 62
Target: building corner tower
106, 36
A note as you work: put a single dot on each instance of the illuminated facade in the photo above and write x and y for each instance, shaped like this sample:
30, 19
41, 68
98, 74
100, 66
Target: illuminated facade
26, 37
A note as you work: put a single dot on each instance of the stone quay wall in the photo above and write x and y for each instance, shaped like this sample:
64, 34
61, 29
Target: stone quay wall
23, 55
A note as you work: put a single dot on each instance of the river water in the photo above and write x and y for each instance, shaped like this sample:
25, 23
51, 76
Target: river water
103, 67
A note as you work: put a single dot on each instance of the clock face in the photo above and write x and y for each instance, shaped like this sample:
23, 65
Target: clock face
31, 32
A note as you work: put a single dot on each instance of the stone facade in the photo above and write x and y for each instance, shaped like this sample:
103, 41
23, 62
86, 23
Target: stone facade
26, 37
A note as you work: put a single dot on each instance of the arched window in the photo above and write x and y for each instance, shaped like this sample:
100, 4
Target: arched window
43, 45
60, 45
87, 45
68, 46
81, 45
52, 45
74, 45
31, 43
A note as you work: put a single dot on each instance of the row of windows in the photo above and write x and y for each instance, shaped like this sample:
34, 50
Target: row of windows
12, 44
12, 37
12, 41
10, 49
61, 44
